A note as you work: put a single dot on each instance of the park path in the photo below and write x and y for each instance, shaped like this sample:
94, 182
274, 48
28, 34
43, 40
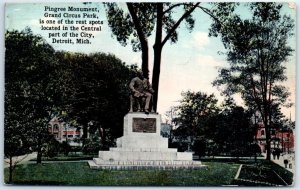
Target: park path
290, 166
20, 159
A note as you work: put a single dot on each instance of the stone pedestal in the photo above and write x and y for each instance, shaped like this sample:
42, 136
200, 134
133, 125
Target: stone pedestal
142, 147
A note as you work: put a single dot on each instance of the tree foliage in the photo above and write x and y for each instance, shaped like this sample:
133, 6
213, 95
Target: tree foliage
213, 130
28, 97
140, 20
28, 100
193, 117
233, 131
257, 49
194, 111
41, 83
93, 145
94, 91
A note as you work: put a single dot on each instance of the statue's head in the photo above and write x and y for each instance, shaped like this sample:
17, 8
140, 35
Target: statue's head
140, 74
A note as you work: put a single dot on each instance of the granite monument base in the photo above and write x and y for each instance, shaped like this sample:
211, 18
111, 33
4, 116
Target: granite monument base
142, 147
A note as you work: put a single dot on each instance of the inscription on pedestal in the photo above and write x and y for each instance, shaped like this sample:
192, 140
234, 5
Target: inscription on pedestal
144, 125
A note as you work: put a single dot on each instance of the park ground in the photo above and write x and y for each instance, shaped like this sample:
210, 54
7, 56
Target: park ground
219, 172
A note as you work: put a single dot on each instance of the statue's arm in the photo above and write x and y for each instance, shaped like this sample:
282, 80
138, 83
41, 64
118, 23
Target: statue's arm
131, 85
150, 89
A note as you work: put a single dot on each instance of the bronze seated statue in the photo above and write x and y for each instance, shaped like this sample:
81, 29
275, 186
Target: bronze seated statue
141, 94
138, 104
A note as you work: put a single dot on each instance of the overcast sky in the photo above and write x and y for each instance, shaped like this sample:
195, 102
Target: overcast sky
190, 64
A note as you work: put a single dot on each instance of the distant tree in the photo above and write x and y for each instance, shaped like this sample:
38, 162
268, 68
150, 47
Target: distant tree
232, 131
256, 49
213, 130
193, 115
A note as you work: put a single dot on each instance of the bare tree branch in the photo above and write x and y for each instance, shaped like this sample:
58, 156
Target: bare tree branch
207, 11
178, 23
172, 7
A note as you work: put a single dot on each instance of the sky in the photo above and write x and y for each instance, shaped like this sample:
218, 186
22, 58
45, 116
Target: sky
190, 64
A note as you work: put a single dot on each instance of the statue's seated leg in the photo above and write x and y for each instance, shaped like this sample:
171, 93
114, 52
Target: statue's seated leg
142, 103
138, 101
135, 104
131, 103
152, 110
148, 97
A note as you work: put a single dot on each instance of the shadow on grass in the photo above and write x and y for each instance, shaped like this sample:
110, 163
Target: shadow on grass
260, 166
252, 175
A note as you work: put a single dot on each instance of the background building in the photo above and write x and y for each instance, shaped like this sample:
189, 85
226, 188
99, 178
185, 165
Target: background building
64, 132
280, 138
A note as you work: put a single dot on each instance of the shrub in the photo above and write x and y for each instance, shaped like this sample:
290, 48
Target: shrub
92, 145
65, 148
51, 149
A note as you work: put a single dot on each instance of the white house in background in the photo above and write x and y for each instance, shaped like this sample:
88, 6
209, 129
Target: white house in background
64, 132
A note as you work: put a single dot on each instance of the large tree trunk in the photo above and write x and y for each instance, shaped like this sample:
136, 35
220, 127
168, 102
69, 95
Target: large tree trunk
39, 155
142, 38
84, 121
157, 55
85, 131
39, 151
84, 134
155, 77
268, 145
145, 58
159, 43
268, 137
10, 169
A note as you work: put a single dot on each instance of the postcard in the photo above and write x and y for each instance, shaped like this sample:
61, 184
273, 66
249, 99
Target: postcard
150, 93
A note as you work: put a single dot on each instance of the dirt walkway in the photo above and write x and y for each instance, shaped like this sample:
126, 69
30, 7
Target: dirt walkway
20, 159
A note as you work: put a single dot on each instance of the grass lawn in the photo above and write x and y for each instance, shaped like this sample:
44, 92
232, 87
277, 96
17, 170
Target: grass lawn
265, 172
262, 171
218, 173
259, 174
79, 173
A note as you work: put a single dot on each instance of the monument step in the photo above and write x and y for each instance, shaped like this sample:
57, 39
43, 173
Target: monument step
142, 141
131, 149
146, 162
142, 164
142, 147
137, 155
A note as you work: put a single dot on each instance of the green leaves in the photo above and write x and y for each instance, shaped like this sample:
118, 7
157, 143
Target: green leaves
217, 130
194, 110
41, 83
256, 49
94, 88
29, 68
119, 22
